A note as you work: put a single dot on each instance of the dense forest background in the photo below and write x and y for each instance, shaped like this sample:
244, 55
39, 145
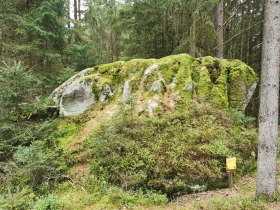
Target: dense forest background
51, 35
55, 38
44, 42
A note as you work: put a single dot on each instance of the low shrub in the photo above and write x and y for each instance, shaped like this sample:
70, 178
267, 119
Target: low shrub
49, 203
34, 165
19, 199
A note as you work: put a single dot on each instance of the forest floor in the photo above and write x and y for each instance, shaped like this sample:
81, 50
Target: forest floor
241, 196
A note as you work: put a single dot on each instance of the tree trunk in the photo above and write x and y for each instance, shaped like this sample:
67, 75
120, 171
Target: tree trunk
193, 38
220, 29
249, 32
269, 94
75, 10
243, 26
79, 9
68, 13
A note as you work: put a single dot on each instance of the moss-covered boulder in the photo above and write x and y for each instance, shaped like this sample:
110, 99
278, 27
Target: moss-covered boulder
159, 83
196, 123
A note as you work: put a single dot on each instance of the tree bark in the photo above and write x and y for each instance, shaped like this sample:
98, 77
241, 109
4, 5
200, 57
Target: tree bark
269, 94
79, 9
193, 38
220, 29
75, 10
68, 14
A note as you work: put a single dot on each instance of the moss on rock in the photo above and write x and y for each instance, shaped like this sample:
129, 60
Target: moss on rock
220, 82
241, 78
220, 89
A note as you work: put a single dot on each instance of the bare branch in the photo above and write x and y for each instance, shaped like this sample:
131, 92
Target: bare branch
238, 34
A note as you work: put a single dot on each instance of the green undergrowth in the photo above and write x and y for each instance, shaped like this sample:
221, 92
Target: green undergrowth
41, 161
68, 128
239, 202
37, 168
98, 192
134, 161
93, 196
172, 154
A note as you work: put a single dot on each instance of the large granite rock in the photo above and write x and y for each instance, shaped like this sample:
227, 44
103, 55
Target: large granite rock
222, 83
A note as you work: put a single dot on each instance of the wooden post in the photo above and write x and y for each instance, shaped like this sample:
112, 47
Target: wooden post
230, 181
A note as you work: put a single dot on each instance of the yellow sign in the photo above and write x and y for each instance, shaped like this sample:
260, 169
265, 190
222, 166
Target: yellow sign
231, 164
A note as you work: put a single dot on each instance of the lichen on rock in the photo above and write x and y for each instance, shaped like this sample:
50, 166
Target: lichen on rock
226, 84
107, 92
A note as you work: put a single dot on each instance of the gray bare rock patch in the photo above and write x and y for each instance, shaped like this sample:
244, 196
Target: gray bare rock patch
126, 92
76, 99
158, 86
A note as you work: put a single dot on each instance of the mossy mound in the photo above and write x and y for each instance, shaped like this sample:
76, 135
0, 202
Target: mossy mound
175, 154
223, 83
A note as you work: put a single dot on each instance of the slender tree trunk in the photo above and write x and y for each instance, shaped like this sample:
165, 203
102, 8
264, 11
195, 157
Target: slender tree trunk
192, 47
249, 39
75, 10
220, 29
28, 5
79, 9
2, 40
243, 26
68, 13
193, 38
241, 45
269, 94
111, 45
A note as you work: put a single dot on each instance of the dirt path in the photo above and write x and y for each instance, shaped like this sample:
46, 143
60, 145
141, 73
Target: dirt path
96, 117
212, 199
77, 145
